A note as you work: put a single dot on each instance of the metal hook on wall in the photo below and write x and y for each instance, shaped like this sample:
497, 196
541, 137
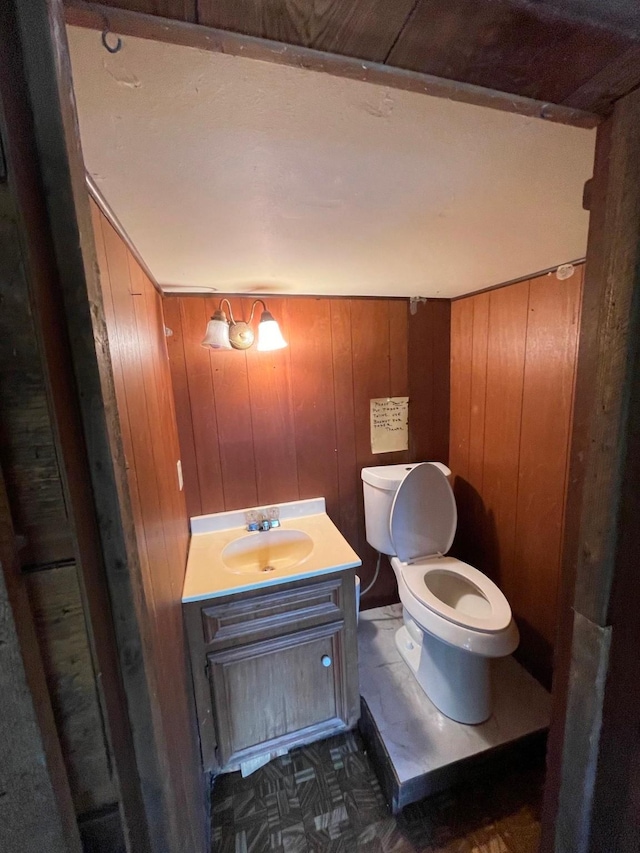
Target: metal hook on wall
111, 48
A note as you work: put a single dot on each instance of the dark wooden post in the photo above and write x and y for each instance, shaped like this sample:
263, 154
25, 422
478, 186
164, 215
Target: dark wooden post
54, 242
36, 811
593, 781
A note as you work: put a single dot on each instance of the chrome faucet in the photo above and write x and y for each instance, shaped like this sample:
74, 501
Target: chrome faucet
263, 520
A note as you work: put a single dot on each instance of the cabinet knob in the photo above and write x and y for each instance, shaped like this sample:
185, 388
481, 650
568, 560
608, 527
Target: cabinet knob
326, 660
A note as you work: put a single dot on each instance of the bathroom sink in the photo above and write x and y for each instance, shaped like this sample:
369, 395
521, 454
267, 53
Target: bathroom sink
267, 551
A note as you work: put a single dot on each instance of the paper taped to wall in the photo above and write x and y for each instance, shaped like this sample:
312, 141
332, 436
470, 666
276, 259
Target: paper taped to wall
389, 424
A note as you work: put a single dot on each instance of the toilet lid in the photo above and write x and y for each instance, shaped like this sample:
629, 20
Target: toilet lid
423, 514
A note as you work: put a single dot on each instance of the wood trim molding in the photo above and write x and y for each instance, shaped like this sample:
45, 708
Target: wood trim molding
575, 263
126, 23
106, 208
69, 307
594, 746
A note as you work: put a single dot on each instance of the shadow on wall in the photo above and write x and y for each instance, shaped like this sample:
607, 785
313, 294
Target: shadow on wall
476, 542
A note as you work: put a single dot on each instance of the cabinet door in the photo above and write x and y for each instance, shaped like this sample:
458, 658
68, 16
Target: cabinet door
274, 693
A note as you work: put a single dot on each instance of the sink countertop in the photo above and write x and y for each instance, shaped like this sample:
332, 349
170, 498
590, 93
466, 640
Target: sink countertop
207, 577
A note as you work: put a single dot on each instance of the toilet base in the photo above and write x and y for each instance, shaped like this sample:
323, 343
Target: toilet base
457, 682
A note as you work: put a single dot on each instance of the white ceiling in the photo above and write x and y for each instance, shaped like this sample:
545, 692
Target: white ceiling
243, 175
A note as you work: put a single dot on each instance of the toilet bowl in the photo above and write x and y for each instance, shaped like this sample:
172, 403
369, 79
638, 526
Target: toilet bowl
455, 618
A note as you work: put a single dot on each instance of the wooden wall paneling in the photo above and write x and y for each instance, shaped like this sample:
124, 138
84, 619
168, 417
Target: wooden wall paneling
306, 408
475, 521
591, 796
398, 360
367, 29
30, 461
165, 479
123, 342
461, 355
312, 390
172, 524
429, 380
137, 339
99, 225
370, 341
420, 352
477, 403
129, 23
272, 416
169, 434
349, 482
552, 334
460, 424
124, 365
173, 520
149, 531
513, 359
62, 636
234, 418
71, 321
438, 448
506, 46
179, 382
176, 524
36, 809
181, 10
120, 358
203, 404
617, 78
398, 347
27, 444
505, 374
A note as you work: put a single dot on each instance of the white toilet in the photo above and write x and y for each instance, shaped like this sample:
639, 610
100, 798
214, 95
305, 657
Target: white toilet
455, 618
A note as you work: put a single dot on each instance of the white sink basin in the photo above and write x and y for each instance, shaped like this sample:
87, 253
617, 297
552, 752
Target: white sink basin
267, 551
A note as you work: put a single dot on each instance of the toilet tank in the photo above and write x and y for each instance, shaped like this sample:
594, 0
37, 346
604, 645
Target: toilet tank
380, 484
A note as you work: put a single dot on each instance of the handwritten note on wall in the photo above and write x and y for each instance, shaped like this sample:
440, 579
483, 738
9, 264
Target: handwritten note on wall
389, 424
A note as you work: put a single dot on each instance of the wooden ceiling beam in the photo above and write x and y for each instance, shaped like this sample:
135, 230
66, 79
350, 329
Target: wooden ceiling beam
126, 23
617, 79
528, 48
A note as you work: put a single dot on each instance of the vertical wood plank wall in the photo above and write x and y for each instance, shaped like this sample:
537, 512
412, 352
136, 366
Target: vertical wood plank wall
258, 428
145, 404
31, 470
513, 359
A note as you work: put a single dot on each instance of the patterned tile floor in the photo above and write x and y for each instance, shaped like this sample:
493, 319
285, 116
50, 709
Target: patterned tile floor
325, 798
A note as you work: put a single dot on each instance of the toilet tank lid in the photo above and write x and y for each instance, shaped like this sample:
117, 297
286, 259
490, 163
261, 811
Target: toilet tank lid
389, 477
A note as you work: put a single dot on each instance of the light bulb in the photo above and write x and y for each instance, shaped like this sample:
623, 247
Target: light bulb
269, 334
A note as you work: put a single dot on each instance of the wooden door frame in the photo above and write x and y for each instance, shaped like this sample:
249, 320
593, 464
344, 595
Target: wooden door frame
47, 177
593, 730
594, 741
33, 770
124, 22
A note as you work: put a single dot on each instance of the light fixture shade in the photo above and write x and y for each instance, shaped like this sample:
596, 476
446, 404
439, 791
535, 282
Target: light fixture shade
217, 334
269, 334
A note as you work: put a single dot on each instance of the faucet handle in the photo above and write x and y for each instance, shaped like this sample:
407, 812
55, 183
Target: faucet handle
251, 518
273, 514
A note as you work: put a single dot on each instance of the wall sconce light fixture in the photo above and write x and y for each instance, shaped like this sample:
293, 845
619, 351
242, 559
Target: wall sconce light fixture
238, 334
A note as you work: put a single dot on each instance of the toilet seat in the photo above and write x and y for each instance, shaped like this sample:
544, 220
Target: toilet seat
467, 580
446, 597
487, 643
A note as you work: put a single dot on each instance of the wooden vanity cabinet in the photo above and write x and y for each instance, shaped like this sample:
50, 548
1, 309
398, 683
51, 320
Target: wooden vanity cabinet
274, 667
